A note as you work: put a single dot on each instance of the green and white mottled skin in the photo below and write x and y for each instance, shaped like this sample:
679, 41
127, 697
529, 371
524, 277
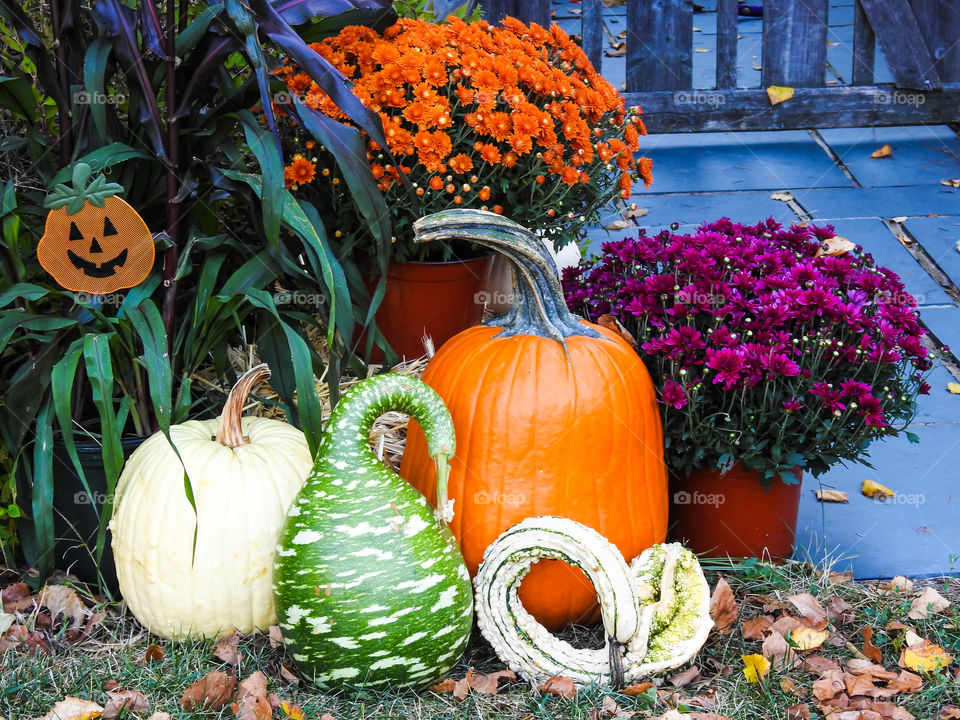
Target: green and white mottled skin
370, 586
656, 612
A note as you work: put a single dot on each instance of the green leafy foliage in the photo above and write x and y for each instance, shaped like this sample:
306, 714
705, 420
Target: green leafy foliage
177, 140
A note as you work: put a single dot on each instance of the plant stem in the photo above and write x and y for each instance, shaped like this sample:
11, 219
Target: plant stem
229, 431
173, 182
63, 114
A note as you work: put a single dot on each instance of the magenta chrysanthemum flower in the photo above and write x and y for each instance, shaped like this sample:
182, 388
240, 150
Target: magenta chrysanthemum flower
728, 363
674, 395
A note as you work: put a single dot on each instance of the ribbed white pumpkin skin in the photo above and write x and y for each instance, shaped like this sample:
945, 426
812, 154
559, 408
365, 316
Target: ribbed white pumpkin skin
242, 495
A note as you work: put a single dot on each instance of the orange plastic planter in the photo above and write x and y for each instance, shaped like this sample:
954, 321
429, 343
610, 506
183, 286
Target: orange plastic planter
438, 299
732, 514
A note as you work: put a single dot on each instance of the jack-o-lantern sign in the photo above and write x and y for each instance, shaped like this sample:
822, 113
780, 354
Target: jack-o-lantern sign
93, 241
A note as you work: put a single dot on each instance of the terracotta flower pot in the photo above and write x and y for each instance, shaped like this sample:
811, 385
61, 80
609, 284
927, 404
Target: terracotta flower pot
438, 299
732, 514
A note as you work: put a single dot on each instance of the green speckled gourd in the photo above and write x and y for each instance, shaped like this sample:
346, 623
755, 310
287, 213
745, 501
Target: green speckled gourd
369, 584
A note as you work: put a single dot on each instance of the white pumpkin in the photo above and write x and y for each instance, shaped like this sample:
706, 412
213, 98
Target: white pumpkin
244, 472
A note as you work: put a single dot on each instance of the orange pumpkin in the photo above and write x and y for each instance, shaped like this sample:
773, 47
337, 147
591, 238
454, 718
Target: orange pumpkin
93, 241
553, 416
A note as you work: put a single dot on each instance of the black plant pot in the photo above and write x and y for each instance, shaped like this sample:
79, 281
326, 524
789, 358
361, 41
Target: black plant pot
76, 513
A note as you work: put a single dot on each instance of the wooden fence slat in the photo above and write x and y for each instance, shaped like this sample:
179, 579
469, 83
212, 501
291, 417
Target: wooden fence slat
528, 11
794, 43
726, 44
592, 31
864, 47
902, 43
659, 44
939, 20
835, 106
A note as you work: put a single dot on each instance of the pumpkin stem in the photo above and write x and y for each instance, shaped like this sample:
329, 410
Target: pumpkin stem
229, 432
346, 437
539, 307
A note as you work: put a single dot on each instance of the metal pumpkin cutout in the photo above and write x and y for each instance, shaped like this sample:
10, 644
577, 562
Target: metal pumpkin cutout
93, 241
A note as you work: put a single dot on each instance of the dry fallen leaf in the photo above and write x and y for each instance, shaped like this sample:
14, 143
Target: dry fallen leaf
159, 715
778, 94
776, 648
251, 702
949, 712
123, 703
63, 600
71, 708
16, 597
755, 667
820, 664
461, 688
807, 638
559, 685
953, 388
635, 212
276, 636
618, 52
754, 628
6, 620
288, 676
444, 686
211, 692
837, 496
636, 689
609, 709
904, 240
885, 151
782, 195
611, 323
869, 649
895, 585
924, 657
153, 655
799, 712
723, 607
789, 686
489, 684
835, 246
227, 649
691, 674
929, 602
872, 489
900, 218
828, 686
618, 225
809, 607
955, 182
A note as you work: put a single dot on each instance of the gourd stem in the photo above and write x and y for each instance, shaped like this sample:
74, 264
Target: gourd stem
346, 437
539, 307
229, 431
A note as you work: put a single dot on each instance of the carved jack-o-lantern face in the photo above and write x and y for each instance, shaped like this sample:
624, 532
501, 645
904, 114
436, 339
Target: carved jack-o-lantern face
97, 250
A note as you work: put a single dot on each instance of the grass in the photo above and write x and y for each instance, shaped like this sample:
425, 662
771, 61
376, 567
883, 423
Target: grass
31, 683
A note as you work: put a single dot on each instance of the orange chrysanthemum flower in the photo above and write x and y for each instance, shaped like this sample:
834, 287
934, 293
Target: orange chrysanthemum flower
461, 164
436, 182
299, 172
645, 168
484, 193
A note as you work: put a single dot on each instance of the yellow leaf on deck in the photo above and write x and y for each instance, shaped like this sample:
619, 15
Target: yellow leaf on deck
885, 151
778, 94
701, 50
837, 496
872, 489
954, 388
782, 195
900, 218
954, 182
755, 667
805, 638
925, 657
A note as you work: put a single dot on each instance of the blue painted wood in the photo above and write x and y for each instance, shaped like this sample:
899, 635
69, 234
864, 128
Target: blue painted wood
592, 32
862, 105
918, 201
726, 44
903, 44
794, 42
887, 251
659, 44
915, 534
864, 47
939, 237
939, 21
716, 162
921, 155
